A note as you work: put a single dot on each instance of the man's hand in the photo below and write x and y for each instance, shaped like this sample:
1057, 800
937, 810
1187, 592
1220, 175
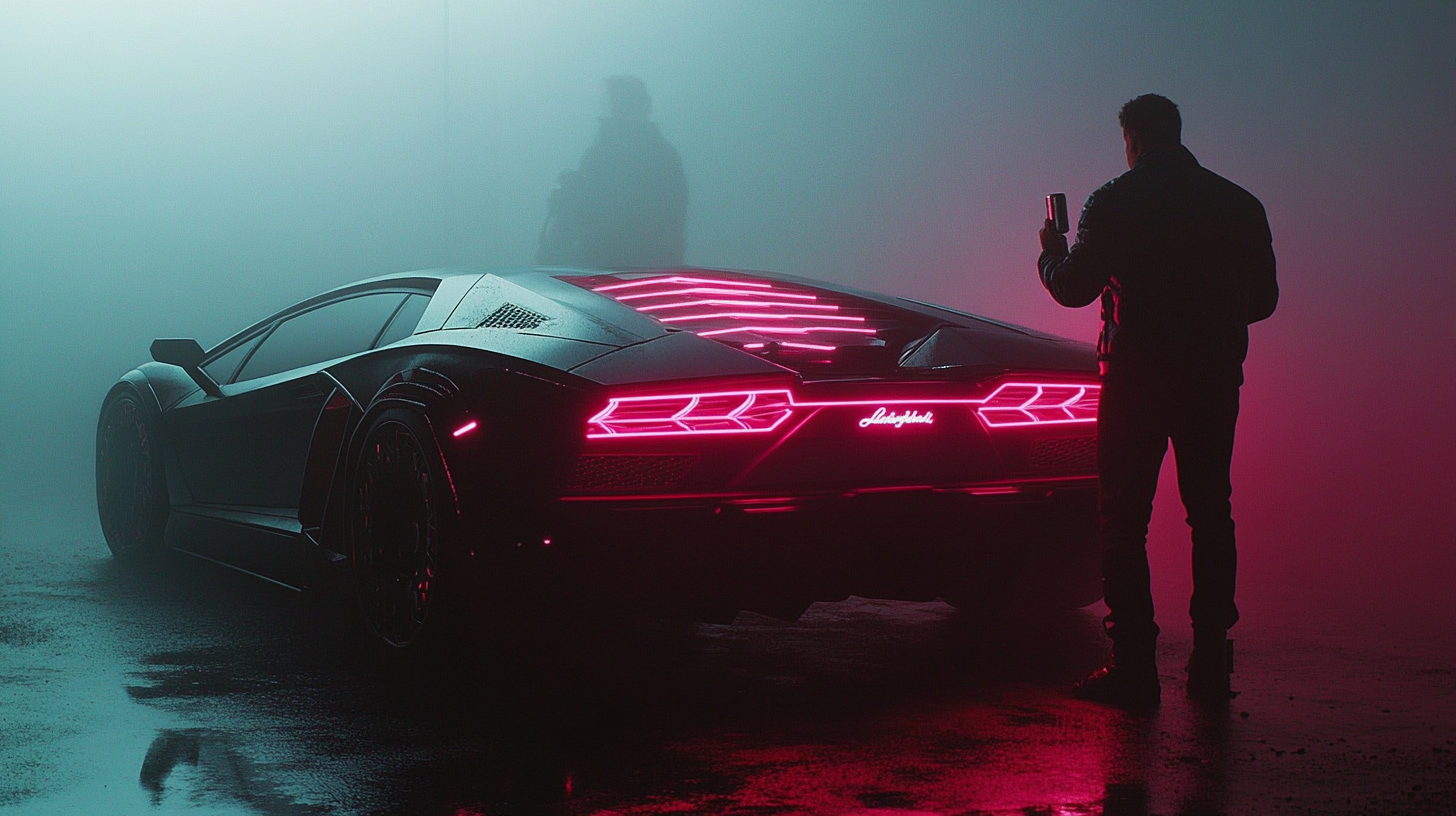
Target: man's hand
1051, 240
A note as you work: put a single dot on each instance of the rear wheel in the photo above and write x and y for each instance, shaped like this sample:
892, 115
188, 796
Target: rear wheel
131, 485
400, 513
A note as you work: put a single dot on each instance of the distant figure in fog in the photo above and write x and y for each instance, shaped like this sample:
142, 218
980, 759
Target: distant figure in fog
1183, 262
627, 203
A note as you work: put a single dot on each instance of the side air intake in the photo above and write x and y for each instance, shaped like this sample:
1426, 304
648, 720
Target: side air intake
511, 316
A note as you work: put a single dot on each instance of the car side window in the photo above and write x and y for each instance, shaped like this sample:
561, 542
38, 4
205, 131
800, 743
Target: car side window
334, 330
405, 320
221, 369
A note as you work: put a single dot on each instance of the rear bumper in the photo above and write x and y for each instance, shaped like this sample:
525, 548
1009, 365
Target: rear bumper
707, 555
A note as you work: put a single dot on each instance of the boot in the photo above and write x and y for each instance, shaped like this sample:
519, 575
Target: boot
1129, 680
1210, 665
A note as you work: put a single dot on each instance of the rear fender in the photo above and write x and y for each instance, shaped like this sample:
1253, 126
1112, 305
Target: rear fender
320, 510
435, 397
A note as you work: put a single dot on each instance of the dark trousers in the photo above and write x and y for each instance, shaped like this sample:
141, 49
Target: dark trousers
1139, 413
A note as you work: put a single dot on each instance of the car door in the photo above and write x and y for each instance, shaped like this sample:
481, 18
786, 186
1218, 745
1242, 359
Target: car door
247, 448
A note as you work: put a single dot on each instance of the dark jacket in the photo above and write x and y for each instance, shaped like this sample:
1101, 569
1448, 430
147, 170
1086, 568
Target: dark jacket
1182, 259
625, 206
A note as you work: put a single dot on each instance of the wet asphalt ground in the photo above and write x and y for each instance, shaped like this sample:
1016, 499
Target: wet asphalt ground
186, 688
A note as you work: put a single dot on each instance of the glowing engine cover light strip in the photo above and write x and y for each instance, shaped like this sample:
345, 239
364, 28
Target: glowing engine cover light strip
726, 412
1015, 404
752, 313
735, 299
735, 412
682, 279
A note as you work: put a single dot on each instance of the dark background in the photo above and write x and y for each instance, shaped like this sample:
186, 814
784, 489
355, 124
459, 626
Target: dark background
181, 169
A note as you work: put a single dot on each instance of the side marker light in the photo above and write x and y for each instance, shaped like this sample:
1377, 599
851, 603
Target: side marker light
465, 429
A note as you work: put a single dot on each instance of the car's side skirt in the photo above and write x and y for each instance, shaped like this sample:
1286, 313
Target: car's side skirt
266, 542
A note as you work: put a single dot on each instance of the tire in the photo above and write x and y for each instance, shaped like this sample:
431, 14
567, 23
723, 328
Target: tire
131, 483
400, 517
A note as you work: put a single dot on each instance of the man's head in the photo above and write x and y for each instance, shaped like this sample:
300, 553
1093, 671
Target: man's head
627, 97
1149, 121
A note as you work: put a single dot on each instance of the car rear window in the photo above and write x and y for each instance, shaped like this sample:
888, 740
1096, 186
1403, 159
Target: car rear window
800, 326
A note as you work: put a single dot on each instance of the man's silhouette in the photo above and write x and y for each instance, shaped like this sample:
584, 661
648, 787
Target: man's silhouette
1183, 262
627, 203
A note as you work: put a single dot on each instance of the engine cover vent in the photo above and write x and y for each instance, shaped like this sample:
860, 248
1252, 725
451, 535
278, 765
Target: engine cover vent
1068, 453
511, 316
621, 472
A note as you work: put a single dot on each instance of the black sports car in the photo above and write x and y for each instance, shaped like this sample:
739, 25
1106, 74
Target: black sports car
686, 441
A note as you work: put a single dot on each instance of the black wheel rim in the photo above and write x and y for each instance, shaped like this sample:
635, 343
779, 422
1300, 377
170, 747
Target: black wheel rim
125, 477
394, 534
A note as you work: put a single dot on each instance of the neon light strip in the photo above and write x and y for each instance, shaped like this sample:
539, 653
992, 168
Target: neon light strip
679, 279
742, 498
784, 330
758, 316
779, 405
809, 346
756, 304
775, 408
955, 401
465, 429
709, 290
1032, 411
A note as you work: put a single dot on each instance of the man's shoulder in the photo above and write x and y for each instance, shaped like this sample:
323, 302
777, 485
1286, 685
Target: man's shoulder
1107, 193
1236, 190
1231, 192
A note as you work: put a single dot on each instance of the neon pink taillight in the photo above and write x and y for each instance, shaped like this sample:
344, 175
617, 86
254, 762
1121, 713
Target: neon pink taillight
1039, 404
723, 412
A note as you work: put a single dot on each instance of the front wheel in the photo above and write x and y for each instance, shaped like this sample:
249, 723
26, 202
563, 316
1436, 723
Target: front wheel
400, 512
131, 485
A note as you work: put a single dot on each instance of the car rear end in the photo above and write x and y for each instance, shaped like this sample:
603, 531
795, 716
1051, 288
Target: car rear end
876, 448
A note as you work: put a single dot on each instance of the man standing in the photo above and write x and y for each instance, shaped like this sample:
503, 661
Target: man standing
1183, 262
627, 203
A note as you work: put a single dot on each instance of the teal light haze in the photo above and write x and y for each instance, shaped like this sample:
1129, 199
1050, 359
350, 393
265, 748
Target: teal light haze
184, 168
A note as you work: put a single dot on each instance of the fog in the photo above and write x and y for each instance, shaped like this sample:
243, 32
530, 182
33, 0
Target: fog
182, 169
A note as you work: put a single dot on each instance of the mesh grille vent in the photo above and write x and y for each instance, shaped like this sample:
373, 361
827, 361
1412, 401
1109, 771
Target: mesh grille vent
511, 316
618, 472
1071, 453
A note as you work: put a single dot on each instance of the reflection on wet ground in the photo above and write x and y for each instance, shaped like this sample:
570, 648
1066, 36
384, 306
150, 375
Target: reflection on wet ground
189, 689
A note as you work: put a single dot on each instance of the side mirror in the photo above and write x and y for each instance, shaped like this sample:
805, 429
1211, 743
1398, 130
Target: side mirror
187, 355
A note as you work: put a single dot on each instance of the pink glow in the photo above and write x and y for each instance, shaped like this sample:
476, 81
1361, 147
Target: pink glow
680, 279
785, 330
762, 304
726, 412
748, 298
719, 308
758, 316
889, 489
465, 429
741, 499
729, 412
1014, 404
